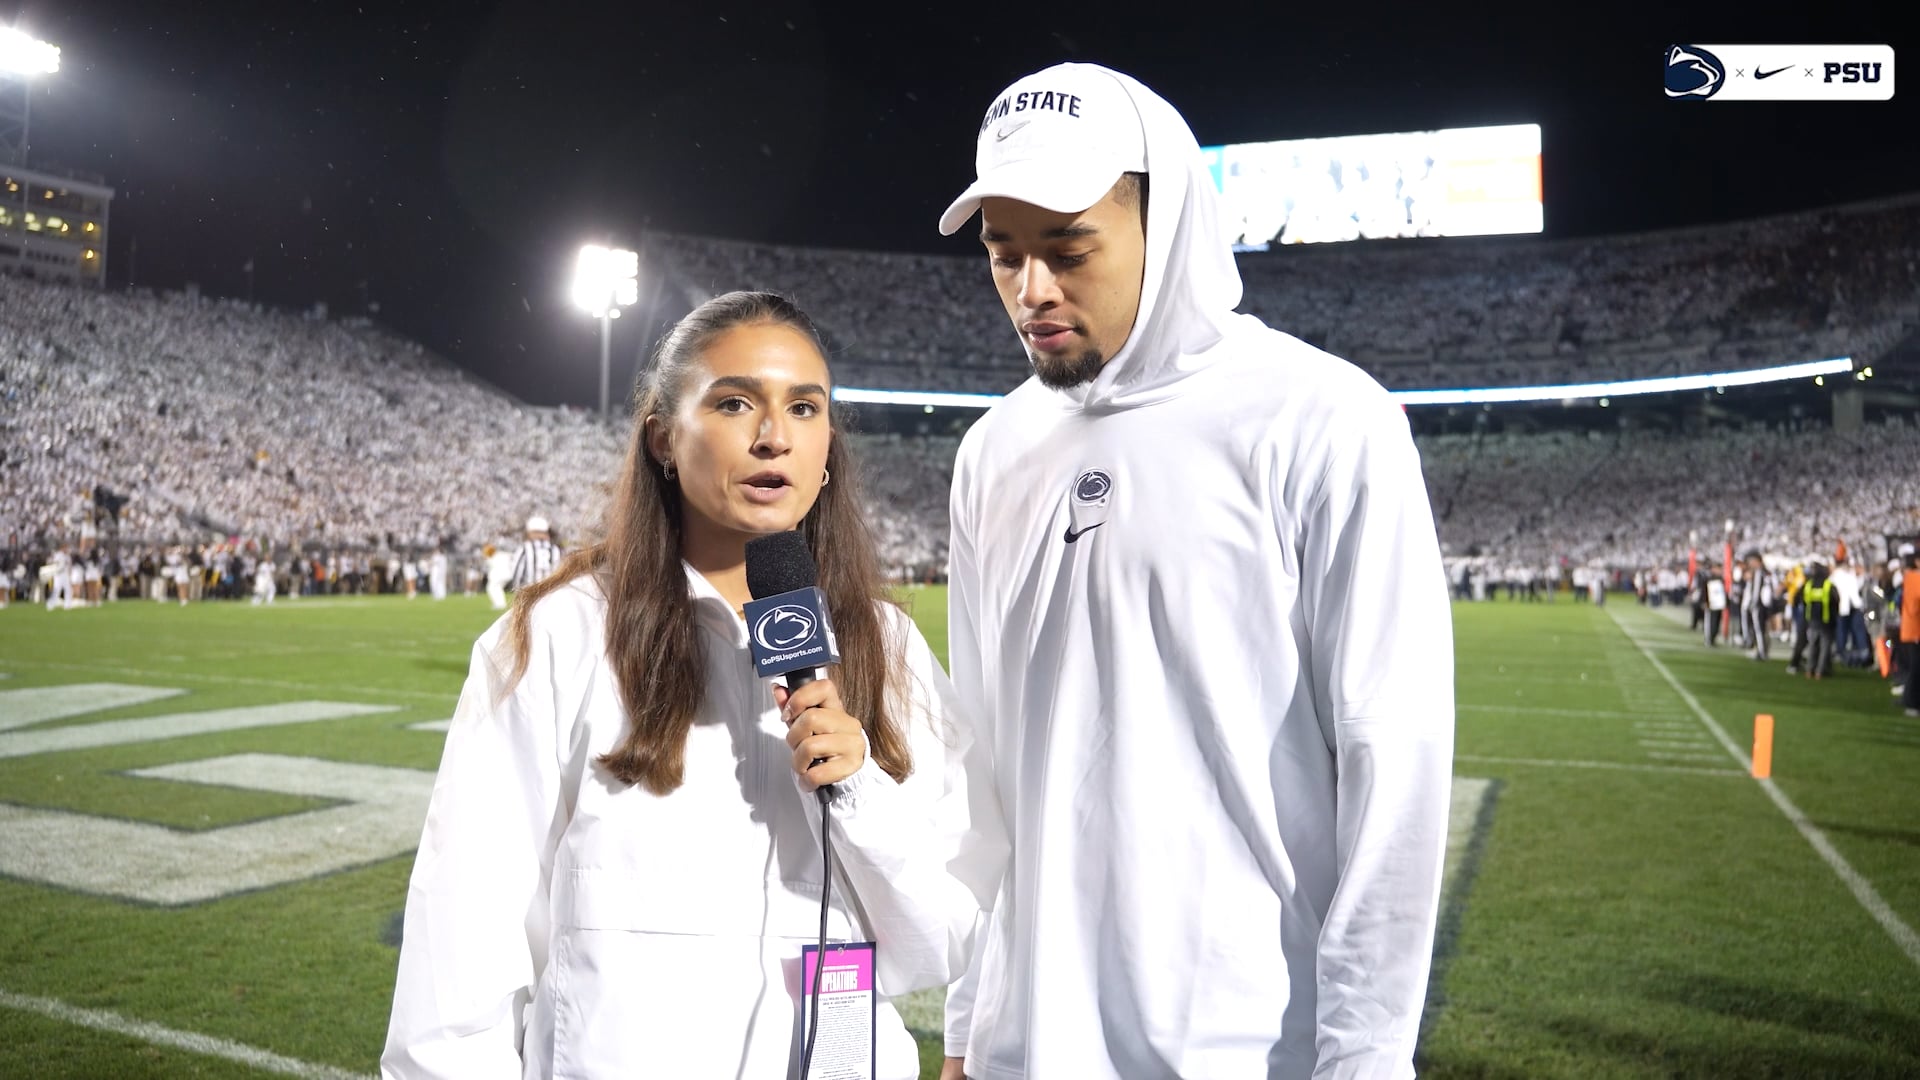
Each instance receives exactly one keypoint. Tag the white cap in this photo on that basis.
(536, 523)
(1906, 549)
(1059, 139)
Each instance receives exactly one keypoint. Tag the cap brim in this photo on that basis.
(1045, 184)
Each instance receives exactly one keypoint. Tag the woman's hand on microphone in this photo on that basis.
(819, 730)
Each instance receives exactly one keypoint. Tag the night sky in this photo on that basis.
(444, 160)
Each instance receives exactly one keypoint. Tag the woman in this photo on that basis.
(622, 839)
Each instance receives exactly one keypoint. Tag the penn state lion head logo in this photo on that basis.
(1087, 508)
(1092, 487)
(784, 628)
(1693, 72)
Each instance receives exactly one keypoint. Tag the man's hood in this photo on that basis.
(1191, 284)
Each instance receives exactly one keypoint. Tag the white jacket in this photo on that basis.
(1219, 688)
(649, 936)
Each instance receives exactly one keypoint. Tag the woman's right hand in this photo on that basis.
(953, 1068)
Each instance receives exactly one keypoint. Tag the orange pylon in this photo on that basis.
(1762, 746)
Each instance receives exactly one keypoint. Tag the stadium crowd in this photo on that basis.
(340, 454)
(1491, 311)
(214, 417)
(1629, 501)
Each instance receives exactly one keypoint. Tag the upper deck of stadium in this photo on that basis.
(1496, 311)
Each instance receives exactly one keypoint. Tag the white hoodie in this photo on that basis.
(1222, 716)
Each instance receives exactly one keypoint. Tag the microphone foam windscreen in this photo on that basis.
(779, 563)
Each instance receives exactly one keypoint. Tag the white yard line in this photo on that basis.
(146, 1031)
(1627, 766)
(1581, 714)
(1662, 756)
(1862, 889)
(186, 673)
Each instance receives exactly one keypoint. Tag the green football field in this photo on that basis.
(207, 817)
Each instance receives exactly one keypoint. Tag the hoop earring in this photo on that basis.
(826, 477)
(666, 468)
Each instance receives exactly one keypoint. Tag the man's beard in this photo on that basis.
(1067, 372)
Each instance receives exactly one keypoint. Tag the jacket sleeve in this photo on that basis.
(967, 660)
(923, 857)
(475, 932)
(960, 995)
(1381, 662)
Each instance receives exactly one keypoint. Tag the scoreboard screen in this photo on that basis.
(1453, 182)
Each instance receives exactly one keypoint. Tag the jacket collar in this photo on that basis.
(711, 610)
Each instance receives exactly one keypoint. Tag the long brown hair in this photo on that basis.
(653, 642)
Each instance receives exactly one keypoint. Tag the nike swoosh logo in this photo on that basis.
(1001, 135)
(1072, 536)
(1758, 74)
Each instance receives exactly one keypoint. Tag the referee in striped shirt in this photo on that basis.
(538, 556)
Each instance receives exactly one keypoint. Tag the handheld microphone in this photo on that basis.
(790, 634)
(788, 629)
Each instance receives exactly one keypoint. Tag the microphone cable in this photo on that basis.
(825, 795)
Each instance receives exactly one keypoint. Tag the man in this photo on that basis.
(1850, 645)
(1795, 581)
(1198, 606)
(1822, 603)
(1756, 602)
(538, 556)
(1716, 607)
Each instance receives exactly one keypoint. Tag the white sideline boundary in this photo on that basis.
(160, 1035)
(1862, 889)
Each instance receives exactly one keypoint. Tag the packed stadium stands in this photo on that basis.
(216, 418)
(1632, 501)
(1463, 312)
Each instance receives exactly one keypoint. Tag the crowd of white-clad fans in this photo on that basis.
(215, 416)
(1464, 312)
(342, 454)
(1633, 501)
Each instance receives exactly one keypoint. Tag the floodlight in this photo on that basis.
(23, 54)
(604, 281)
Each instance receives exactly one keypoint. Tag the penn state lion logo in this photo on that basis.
(1693, 72)
(784, 628)
(1087, 509)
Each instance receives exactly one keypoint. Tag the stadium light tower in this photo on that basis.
(604, 281)
(22, 56)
